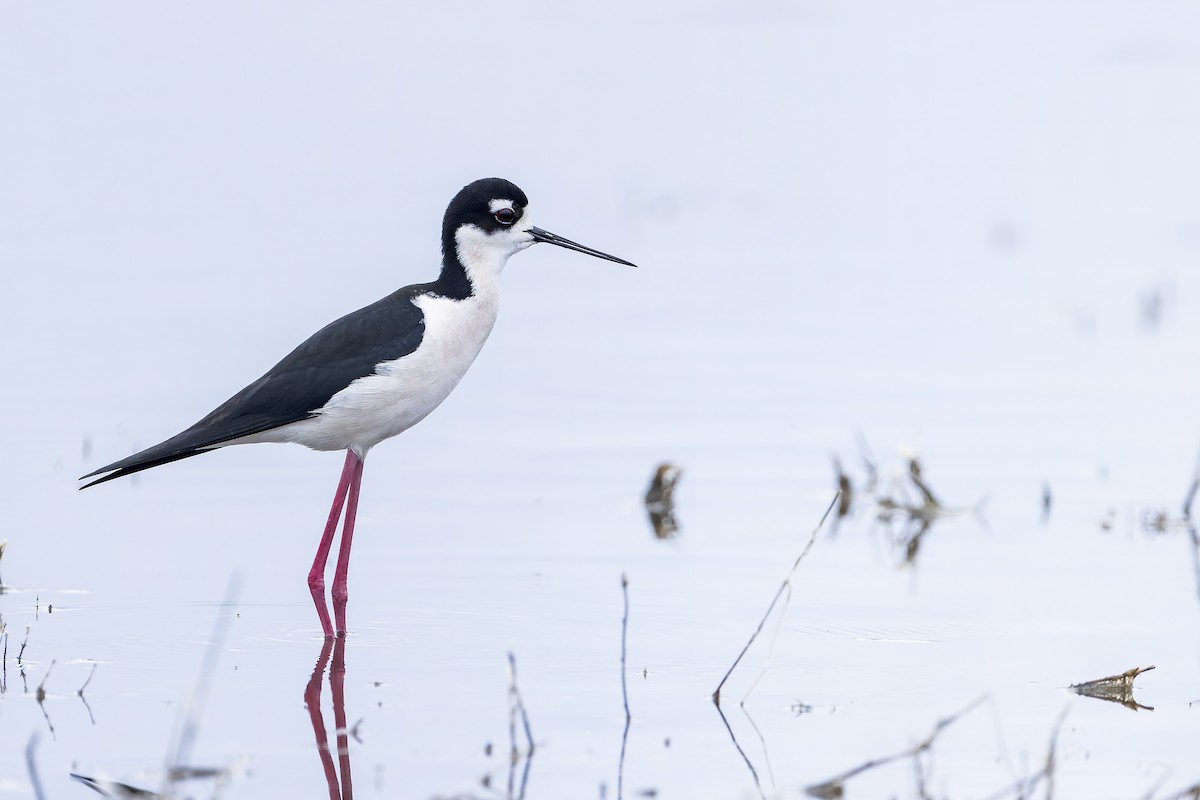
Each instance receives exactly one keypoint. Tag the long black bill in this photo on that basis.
(540, 235)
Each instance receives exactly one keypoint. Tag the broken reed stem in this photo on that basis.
(716, 695)
(917, 749)
(89, 680)
(21, 652)
(1194, 534)
(513, 754)
(624, 688)
(31, 765)
(517, 706)
(753, 685)
(40, 696)
(1025, 787)
(737, 745)
(189, 722)
(770, 651)
(520, 705)
(919, 777)
(762, 741)
(87, 705)
(624, 636)
(1048, 770)
(41, 689)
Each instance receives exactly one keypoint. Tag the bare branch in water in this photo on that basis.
(783, 587)
(745, 758)
(189, 723)
(1191, 492)
(40, 695)
(517, 707)
(87, 705)
(21, 652)
(175, 769)
(1025, 787)
(89, 679)
(835, 786)
(624, 689)
(1190, 793)
(31, 765)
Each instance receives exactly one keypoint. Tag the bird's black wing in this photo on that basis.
(330, 360)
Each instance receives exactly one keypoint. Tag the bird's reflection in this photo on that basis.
(342, 789)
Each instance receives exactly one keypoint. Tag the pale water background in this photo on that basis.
(969, 231)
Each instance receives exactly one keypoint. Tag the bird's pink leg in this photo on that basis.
(343, 563)
(316, 575)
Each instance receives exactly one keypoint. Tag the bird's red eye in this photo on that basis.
(506, 216)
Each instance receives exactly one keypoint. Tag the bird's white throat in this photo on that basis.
(483, 255)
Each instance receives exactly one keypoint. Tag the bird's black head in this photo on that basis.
(490, 204)
(485, 223)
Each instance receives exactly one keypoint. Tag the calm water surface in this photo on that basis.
(977, 249)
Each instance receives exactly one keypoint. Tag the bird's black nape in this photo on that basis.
(473, 206)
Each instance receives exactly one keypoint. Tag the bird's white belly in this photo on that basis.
(401, 392)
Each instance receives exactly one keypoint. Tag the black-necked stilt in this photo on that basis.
(376, 372)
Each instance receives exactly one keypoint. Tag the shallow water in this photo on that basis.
(968, 235)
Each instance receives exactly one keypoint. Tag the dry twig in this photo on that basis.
(624, 689)
(783, 587)
(835, 786)
(517, 707)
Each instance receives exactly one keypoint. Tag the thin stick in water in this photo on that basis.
(31, 765)
(21, 652)
(834, 787)
(189, 724)
(783, 587)
(89, 679)
(738, 746)
(87, 705)
(517, 706)
(624, 689)
(40, 696)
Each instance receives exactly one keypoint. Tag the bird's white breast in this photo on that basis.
(402, 392)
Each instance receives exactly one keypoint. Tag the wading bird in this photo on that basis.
(376, 372)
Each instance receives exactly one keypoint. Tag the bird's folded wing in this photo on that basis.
(294, 389)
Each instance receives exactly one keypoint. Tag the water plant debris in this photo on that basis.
(1114, 688)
